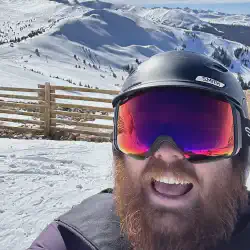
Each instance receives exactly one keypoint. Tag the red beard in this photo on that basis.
(210, 222)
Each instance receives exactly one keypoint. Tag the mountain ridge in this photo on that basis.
(116, 34)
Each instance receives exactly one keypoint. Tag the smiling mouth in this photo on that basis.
(168, 188)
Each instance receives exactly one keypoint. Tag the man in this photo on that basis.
(180, 146)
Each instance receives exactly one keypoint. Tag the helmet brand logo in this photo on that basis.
(210, 81)
(247, 129)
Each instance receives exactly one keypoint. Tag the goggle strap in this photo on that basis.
(246, 130)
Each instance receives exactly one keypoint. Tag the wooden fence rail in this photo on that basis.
(82, 115)
(44, 111)
(29, 109)
(41, 110)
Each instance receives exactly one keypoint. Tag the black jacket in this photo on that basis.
(93, 225)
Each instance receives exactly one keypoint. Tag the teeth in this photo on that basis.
(171, 180)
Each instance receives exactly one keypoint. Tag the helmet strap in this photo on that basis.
(246, 130)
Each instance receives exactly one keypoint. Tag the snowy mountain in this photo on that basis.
(178, 18)
(232, 27)
(86, 41)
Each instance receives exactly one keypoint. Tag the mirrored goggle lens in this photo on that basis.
(198, 123)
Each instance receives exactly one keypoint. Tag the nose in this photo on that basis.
(168, 152)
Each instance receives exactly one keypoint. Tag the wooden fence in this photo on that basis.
(47, 113)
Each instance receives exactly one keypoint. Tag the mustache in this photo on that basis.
(179, 169)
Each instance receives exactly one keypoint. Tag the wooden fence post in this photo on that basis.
(41, 100)
(47, 114)
(53, 107)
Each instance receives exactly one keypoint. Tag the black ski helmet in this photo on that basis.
(192, 70)
(184, 69)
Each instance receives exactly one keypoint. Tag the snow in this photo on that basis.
(39, 180)
(172, 17)
(81, 43)
(227, 19)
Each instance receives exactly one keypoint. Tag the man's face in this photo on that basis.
(195, 214)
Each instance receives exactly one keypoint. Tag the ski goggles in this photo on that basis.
(202, 125)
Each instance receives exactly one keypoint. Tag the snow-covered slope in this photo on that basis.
(87, 41)
(219, 17)
(226, 19)
(173, 17)
(39, 180)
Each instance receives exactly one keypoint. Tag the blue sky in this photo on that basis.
(237, 8)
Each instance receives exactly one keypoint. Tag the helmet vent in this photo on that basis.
(219, 68)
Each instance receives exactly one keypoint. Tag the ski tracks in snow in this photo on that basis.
(40, 180)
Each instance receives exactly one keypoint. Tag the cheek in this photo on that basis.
(214, 176)
(134, 169)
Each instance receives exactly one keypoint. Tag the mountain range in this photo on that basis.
(95, 43)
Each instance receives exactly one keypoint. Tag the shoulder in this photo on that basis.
(94, 223)
(89, 212)
(50, 238)
(67, 231)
